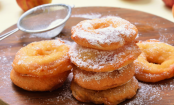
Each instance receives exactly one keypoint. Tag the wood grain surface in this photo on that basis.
(149, 26)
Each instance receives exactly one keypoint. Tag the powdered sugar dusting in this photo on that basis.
(153, 93)
(57, 43)
(5, 67)
(88, 16)
(29, 57)
(97, 59)
(105, 35)
(146, 95)
(99, 75)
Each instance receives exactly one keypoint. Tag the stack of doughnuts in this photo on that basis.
(41, 66)
(103, 56)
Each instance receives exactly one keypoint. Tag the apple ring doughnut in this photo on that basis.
(103, 80)
(43, 58)
(41, 66)
(103, 61)
(105, 34)
(156, 62)
(112, 96)
(40, 83)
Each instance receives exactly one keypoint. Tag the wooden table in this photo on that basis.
(149, 26)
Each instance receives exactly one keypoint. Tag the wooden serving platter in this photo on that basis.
(149, 26)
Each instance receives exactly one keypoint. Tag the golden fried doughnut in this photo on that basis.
(109, 97)
(38, 83)
(105, 34)
(103, 80)
(156, 62)
(103, 61)
(43, 58)
(41, 66)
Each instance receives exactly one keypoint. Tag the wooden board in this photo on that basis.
(149, 26)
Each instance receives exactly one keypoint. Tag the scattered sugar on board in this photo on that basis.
(66, 41)
(164, 36)
(18, 37)
(87, 16)
(152, 93)
(63, 95)
(5, 67)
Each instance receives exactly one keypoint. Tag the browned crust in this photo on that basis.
(109, 97)
(103, 80)
(40, 83)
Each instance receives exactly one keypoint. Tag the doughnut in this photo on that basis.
(41, 83)
(107, 33)
(111, 96)
(103, 61)
(156, 62)
(103, 80)
(41, 66)
(41, 58)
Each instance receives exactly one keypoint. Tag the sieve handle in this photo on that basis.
(8, 34)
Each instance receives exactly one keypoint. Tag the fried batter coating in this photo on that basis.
(41, 66)
(156, 62)
(103, 61)
(103, 80)
(47, 57)
(107, 33)
(40, 83)
(111, 96)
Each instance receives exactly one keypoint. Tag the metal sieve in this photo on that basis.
(44, 21)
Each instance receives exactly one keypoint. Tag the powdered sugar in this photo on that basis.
(98, 59)
(5, 67)
(57, 43)
(149, 94)
(87, 16)
(99, 75)
(40, 57)
(105, 35)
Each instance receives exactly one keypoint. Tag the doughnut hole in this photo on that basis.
(156, 55)
(104, 24)
(101, 25)
(41, 52)
(155, 60)
(47, 51)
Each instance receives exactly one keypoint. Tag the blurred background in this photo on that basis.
(10, 11)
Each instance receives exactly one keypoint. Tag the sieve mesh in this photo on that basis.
(43, 18)
(44, 21)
